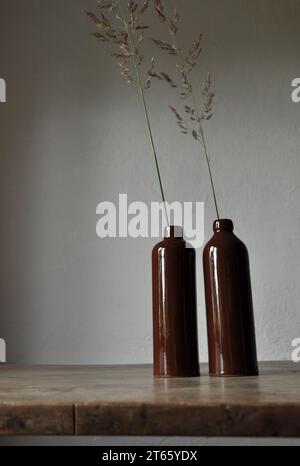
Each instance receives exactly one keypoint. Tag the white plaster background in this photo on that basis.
(72, 134)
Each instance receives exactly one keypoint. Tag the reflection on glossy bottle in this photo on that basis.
(229, 309)
(175, 340)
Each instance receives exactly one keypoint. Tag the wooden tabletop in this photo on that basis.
(127, 400)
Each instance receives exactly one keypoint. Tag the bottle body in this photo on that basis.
(175, 336)
(229, 308)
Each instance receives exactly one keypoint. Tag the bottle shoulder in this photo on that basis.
(167, 245)
(225, 241)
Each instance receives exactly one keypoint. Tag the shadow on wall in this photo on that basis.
(46, 176)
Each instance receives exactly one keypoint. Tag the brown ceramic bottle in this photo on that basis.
(229, 309)
(175, 338)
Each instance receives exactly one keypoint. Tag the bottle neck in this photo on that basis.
(174, 233)
(223, 225)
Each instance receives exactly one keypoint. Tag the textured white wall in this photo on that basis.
(72, 134)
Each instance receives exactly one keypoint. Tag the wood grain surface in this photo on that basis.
(127, 400)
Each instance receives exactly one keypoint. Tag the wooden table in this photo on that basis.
(126, 400)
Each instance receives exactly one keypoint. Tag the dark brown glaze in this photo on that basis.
(175, 337)
(229, 309)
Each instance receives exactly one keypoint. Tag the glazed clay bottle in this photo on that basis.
(175, 338)
(229, 309)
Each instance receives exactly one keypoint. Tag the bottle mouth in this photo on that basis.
(223, 225)
(174, 232)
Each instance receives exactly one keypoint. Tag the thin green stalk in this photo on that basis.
(202, 138)
(142, 94)
(206, 155)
